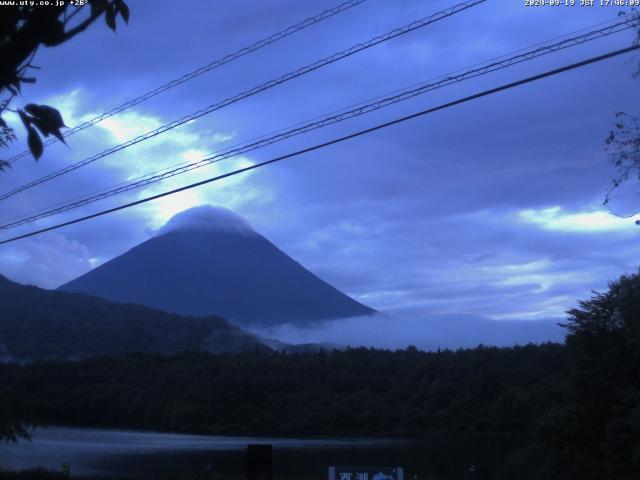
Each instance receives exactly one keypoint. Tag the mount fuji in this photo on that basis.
(210, 261)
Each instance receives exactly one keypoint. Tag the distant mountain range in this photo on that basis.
(209, 261)
(37, 324)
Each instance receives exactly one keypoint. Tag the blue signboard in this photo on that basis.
(366, 473)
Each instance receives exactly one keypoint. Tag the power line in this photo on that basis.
(204, 69)
(264, 136)
(485, 93)
(362, 109)
(255, 90)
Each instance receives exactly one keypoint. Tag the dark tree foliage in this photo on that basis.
(23, 29)
(623, 142)
(345, 393)
(592, 430)
(572, 410)
(40, 324)
(11, 409)
(604, 346)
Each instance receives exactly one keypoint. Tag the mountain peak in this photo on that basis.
(207, 218)
(235, 273)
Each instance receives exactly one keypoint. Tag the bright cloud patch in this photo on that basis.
(188, 143)
(47, 261)
(427, 332)
(128, 125)
(583, 222)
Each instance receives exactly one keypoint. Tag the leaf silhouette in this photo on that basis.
(47, 119)
(123, 8)
(110, 17)
(35, 143)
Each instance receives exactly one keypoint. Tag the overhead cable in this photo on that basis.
(326, 121)
(253, 91)
(334, 141)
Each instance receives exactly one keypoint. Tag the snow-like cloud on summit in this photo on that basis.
(208, 218)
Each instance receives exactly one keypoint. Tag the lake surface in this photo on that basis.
(104, 453)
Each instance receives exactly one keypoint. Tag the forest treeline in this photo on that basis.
(576, 406)
(526, 391)
(39, 324)
(352, 392)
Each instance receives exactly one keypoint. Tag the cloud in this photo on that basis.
(208, 218)
(483, 211)
(46, 261)
(428, 333)
(555, 219)
(188, 143)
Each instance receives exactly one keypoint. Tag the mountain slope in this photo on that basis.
(44, 324)
(228, 270)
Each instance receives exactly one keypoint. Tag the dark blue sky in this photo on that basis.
(486, 211)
